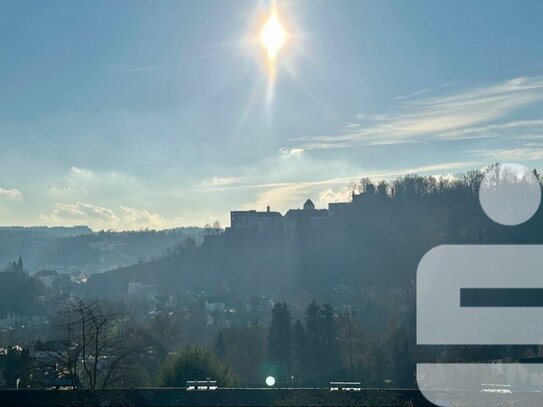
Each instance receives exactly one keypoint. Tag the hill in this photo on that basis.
(372, 245)
(80, 250)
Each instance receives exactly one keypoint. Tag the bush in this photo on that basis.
(195, 364)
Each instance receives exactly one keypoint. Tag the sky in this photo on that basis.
(134, 114)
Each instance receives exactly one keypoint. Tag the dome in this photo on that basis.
(309, 205)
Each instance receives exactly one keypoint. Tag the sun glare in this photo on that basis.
(273, 36)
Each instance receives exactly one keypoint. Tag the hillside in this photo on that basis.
(375, 242)
(79, 250)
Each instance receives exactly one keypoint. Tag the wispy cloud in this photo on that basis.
(281, 197)
(285, 195)
(80, 212)
(329, 195)
(81, 172)
(10, 193)
(472, 113)
(412, 95)
(292, 152)
(132, 69)
(79, 183)
(221, 181)
(98, 217)
(493, 130)
(512, 154)
(135, 218)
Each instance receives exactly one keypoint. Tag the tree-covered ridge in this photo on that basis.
(80, 250)
(376, 241)
(383, 235)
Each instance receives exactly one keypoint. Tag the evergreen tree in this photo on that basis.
(279, 342)
(313, 336)
(220, 350)
(323, 361)
(17, 368)
(299, 353)
(244, 350)
(331, 362)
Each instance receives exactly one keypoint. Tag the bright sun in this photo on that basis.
(273, 36)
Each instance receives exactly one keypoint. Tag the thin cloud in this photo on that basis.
(10, 193)
(133, 69)
(98, 217)
(80, 211)
(496, 130)
(329, 195)
(81, 172)
(382, 174)
(285, 195)
(292, 152)
(80, 183)
(221, 181)
(141, 218)
(468, 114)
(412, 95)
(511, 154)
(222, 50)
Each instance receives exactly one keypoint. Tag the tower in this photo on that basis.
(309, 205)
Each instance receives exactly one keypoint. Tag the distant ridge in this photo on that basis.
(78, 249)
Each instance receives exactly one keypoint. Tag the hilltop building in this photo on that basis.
(294, 219)
(268, 221)
(308, 216)
(253, 220)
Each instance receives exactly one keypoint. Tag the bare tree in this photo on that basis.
(352, 341)
(98, 342)
(352, 187)
(217, 229)
(365, 186)
(472, 181)
(213, 230)
(382, 188)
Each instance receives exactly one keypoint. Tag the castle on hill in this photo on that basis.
(272, 221)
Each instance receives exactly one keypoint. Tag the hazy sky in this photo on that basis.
(128, 114)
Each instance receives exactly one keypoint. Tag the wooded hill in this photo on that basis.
(377, 241)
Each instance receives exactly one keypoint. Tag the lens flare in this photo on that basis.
(273, 36)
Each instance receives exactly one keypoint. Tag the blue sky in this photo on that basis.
(133, 114)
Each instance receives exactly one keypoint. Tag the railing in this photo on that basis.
(202, 385)
(345, 386)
